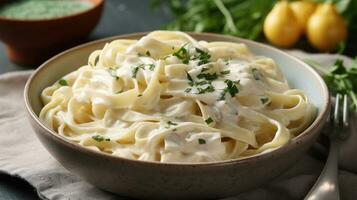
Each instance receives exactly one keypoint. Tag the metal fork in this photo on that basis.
(326, 186)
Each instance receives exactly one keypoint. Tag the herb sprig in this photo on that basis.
(340, 79)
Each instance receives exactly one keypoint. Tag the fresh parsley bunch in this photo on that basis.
(340, 79)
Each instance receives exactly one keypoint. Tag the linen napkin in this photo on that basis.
(22, 155)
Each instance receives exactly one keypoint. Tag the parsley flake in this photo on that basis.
(201, 82)
(151, 67)
(190, 79)
(148, 53)
(209, 120)
(136, 69)
(100, 138)
(182, 54)
(202, 56)
(170, 123)
(63, 82)
(208, 89)
(222, 96)
(201, 141)
(231, 88)
(187, 90)
(207, 76)
(256, 74)
(225, 72)
(264, 99)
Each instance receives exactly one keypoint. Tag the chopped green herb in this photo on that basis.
(139, 95)
(148, 53)
(201, 141)
(264, 99)
(256, 74)
(187, 90)
(151, 67)
(182, 54)
(231, 87)
(208, 89)
(203, 57)
(170, 123)
(100, 138)
(63, 82)
(222, 96)
(204, 69)
(207, 76)
(201, 82)
(190, 79)
(340, 79)
(136, 69)
(225, 72)
(209, 120)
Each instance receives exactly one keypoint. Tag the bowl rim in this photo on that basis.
(95, 6)
(316, 124)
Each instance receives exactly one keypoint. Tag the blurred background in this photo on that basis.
(284, 24)
(316, 26)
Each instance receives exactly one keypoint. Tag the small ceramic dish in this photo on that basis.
(141, 179)
(31, 42)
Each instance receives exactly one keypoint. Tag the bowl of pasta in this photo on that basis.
(176, 115)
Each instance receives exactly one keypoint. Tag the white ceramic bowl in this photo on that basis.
(143, 179)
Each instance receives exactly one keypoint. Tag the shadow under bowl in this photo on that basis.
(31, 42)
(141, 179)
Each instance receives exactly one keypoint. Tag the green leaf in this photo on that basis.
(63, 82)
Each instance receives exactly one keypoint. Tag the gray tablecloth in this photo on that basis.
(21, 154)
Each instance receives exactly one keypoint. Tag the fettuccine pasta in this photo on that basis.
(170, 98)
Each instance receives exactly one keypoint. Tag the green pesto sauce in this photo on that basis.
(42, 9)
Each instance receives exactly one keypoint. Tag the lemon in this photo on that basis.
(326, 28)
(303, 10)
(281, 26)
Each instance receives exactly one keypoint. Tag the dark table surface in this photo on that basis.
(119, 17)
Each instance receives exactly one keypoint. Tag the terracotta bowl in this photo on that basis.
(142, 179)
(31, 42)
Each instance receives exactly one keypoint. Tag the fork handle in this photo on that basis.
(326, 186)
